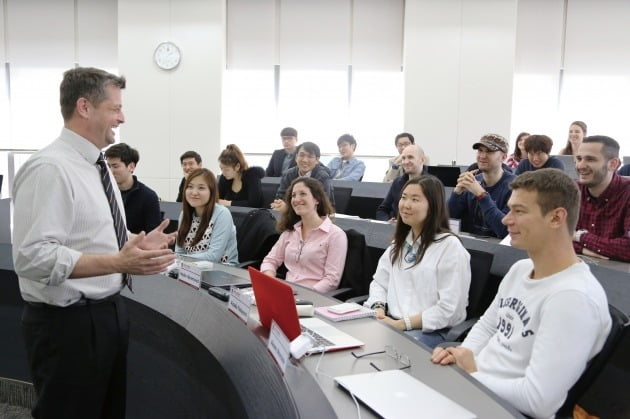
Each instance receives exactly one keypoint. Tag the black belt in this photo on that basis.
(79, 303)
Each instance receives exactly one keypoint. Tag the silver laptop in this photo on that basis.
(396, 394)
(327, 337)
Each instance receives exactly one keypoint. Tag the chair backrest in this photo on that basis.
(269, 193)
(479, 294)
(342, 198)
(359, 267)
(447, 174)
(596, 364)
(256, 235)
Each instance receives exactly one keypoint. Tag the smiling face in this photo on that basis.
(526, 224)
(412, 160)
(189, 165)
(591, 165)
(413, 207)
(302, 200)
(198, 194)
(306, 161)
(401, 143)
(521, 144)
(105, 117)
(489, 160)
(576, 135)
(537, 158)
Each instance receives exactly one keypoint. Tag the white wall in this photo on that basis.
(170, 112)
(459, 58)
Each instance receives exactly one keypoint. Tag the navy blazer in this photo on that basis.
(275, 163)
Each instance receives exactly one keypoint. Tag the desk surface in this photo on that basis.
(302, 375)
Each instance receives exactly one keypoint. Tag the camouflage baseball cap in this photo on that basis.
(493, 142)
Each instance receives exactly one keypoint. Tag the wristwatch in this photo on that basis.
(577, 236)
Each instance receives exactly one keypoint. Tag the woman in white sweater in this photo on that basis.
(421, 283)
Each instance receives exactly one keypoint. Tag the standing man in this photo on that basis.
(142, 206)
(546, 306)
(412, 163)
(603, 229)
(346, 167)
(395, 169)
(284, 158)
(480, 197)
(70, 249)
(190, 161)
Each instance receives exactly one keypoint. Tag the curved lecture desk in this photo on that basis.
(191, 358)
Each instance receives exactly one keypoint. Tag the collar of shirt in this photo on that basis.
(83, 146)
(609, 192)
(325, 226)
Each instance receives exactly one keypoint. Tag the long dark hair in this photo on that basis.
(435, 223)
(188, 210)
(518, 156)
(289, 217)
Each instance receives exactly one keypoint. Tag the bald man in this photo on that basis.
(413, 164)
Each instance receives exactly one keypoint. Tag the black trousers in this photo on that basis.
(78, 358)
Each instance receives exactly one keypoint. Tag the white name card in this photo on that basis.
(279, 346)
(190, 274)
(239, 303)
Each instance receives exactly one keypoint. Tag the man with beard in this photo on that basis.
(603, 229)
(480, 197)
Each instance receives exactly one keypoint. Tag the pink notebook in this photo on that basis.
(360, 313)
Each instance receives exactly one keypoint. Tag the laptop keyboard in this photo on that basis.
(318, 339)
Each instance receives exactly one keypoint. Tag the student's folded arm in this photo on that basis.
(617, 248)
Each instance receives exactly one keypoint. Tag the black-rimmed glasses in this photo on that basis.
(391, 352)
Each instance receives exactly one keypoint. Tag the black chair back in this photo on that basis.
(342, 198)
(256, 235)
(269, 193)
(595, 365)
(480, 294)
(359, 267)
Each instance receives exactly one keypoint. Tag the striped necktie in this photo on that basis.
(119, 223)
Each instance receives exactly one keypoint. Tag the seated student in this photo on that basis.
(413, 164)
(519, 151)
(311, 247)
(142, 206)
(480, 197)
(395, 169)
(284, 158)
(577, 132)
(346, 167)
(550, 315)
(422, 280)
(625, 170)
(308, 164)
(190, 161)
(603, 229)
(538, 148)
(239, 184)
(206, 229)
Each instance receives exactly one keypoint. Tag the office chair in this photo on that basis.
(596, 364)
(255, 237)
(358, 268)
(269, 193)
(342, 198)
(480, 293)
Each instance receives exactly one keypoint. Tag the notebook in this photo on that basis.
(275, 301)
(359, 313)
(396, 394)
(222, 279)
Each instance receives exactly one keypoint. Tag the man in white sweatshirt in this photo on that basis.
(550, 315)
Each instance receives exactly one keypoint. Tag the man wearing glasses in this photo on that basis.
(546, 307)
(480, 197)
(307, 164)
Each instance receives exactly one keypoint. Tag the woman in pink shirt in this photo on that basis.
(311, 247)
